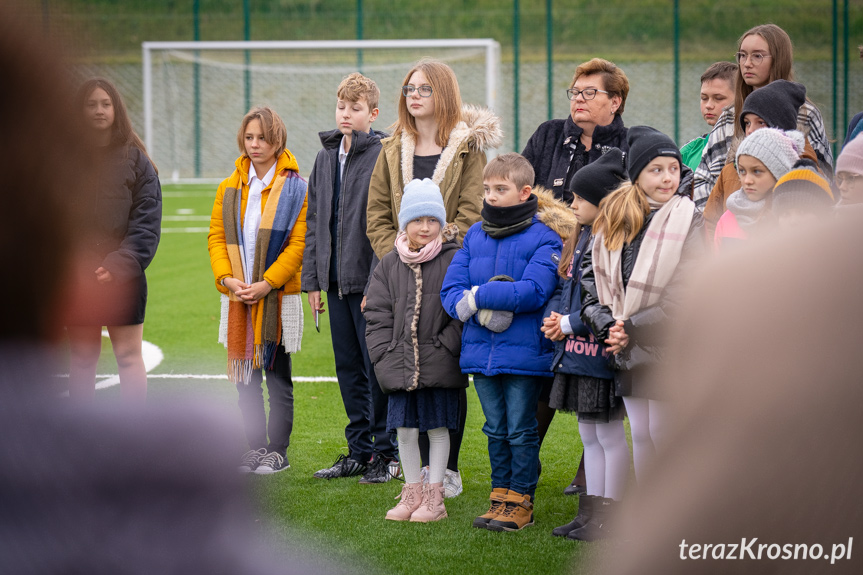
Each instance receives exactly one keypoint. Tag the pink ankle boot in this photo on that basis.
(431, 508)
(411, 497)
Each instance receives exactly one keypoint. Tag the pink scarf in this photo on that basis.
(427, 253)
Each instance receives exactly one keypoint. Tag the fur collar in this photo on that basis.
(479, 129)
(554, 213)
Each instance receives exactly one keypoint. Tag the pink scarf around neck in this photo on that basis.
(427, 253)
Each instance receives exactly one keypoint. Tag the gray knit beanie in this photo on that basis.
(421, 198)
(777, 150)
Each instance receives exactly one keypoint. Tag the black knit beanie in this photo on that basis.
(646, 143)
(599, 178)
(776, 103)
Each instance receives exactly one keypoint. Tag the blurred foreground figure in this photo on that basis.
(772, 378)
(92, 491)
(82, 490)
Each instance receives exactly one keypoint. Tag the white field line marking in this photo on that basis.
(153, 356)
(186, 218)
(185, 230)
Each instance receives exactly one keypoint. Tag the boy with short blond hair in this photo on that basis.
(337, 261)
(498, 284)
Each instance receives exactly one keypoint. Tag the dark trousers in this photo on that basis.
(280, 389)
(365, 403)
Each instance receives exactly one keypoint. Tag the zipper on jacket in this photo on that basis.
(491, 347)
(341, 218)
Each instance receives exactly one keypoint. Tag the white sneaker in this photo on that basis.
(424, 474)
(452, 484)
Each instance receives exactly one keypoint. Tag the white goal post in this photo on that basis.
(195, 93)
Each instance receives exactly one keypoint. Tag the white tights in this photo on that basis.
(648, 421)
(409, 453)
(606, 458)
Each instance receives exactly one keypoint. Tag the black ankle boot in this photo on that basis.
(585, 506)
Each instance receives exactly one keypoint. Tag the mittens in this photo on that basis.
(466, 306)
(495, 319)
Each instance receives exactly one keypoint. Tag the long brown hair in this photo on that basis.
(781, 62)
(122, 132)
(621, 215)
(568, 252)
(447, 101)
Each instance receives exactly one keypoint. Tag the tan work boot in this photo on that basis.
(497, 497)
(517, 514)
(432, 507)
(411, 497)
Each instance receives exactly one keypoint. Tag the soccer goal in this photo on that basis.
(196, 93)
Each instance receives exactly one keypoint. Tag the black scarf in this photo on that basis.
(502, 222)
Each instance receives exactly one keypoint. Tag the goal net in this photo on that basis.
(196, 93)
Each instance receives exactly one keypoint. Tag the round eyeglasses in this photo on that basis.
(756, 57)
(425, 91)
(587, 93)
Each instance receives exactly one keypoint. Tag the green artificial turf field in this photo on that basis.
(340, 518)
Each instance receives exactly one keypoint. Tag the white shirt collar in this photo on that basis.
(342, 153)
(253, 175)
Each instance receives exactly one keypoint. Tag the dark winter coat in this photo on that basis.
(402, 346)
(550, 150)
(646, 328)
(580, 353)
(354, 251)
(121, 227)
(530, 257)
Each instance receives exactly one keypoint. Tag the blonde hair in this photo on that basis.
(355, 87)
(614, 81)
(512, 167)
(274, 129)
(447, 101)
(621, 215)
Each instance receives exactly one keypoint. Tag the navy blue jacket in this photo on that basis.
(530, 257)
(580, 353)
(353, 253)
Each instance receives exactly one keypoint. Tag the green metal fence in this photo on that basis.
(663, 45)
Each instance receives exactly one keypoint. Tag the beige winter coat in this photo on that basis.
(458, 173)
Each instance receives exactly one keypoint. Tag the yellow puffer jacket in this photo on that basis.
(285, 272)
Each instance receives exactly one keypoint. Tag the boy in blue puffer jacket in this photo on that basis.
(498, 284)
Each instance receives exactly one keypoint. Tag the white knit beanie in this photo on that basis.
(421, 198)
(778, 150)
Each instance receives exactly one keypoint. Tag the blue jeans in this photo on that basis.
(509, 404)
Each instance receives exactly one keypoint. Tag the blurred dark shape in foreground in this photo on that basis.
(768, 369)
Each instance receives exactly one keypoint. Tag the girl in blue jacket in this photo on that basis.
(584, 379)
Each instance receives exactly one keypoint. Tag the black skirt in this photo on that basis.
(110, 304)
(592, 398)
(426, 408)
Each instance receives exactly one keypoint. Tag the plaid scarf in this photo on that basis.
(254, 331)
(721, 137)
(654, 265)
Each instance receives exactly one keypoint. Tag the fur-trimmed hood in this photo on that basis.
(483, 128)
(554, 213)
(478, 131)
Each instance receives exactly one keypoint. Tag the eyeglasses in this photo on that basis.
(425, 91)
(843, 177)
(756, 57)
(587, 93)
